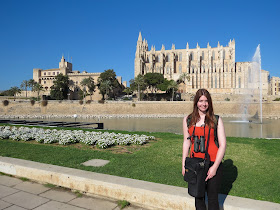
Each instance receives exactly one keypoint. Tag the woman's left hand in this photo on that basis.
(211, 173)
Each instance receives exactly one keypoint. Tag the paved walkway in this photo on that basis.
(16, 194)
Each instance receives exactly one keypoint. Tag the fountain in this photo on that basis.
(254, 89)
(256, 70)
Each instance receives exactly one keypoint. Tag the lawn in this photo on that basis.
(251, 166)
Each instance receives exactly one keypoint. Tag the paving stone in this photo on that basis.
(4, 204)
(5, 191)
(25, 200)
(93, 203)
(58, 206)
(14, 207)
(96, 162)
(9, 181)
(59, 195)
(31, 187)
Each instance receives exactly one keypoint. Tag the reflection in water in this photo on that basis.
(268, 129)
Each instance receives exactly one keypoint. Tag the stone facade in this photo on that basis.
(213, 68)
(47, 76)
(275, 86)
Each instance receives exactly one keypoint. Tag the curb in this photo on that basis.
(147, 194)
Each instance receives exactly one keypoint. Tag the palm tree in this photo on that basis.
(106, 86)
(183, 77)
(24, 85)
(89, 83)
(140, 82)
(14, 90)
(172, 86)
(38, 88)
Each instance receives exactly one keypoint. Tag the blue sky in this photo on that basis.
(102, 34)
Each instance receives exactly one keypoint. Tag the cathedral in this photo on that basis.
(213, 68)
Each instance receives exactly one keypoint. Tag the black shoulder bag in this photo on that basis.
(196, 172)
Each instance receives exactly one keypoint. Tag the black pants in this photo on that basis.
(212, 189)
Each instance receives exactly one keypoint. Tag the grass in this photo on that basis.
(251, 166)
(24, 179)
(49, 185)
(123, 203)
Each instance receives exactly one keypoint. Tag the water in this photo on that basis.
(233, 126)
(256, 77)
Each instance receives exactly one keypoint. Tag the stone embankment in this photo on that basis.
(128, 109)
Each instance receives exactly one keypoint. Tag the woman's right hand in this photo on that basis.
(183, 170)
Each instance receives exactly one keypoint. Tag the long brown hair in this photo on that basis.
(209, 118)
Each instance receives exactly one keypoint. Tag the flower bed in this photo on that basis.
(64, 137)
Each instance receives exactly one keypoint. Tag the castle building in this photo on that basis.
(275, 86)
(47, 76)
(213, 68)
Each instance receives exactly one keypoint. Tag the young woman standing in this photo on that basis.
(202, 118)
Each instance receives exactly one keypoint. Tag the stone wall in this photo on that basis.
(68, 108)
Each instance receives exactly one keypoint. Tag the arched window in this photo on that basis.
(213, 55)
(224, 54)
(167, 59)
(239, 82)
(180, 56)
(158, 58)
(202, 56)
(167, 70)
(180, 68)
(191, 56)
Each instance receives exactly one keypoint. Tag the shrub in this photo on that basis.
(227, 99)
(133, 105)
(81, 102)
(88, 101)
(276, 99)
(44, 103)
(5, 102)
(32, 102)
(101, 101)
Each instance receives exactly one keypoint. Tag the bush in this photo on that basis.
(44, 103)
(276, 99)
(227, 99)
(5, 102)
(88, 101)
(133, 105)
(81, 102)
(101, 101)
(32, 102)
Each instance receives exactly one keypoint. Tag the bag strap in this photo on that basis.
(207, 156)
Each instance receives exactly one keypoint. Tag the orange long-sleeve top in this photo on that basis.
(212, 149)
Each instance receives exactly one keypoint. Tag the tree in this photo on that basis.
(24, 85)
(37, 88)
(31, 84)
(60, 87)
(105, 88)
(173, 86)
(139, 85)
(89, 83)
(14, 90)
(183, 77)
(153, 80)
(127, 91)
(112, 88)
(164, 86)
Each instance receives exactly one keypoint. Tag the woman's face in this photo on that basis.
(202, 104)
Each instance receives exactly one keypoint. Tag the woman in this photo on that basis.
(201, 119)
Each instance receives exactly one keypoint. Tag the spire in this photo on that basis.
(187, 46)
(162, 48)
(218, 44)
(197, 46)
(140, 37)
(208, 45)
(173, 47)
